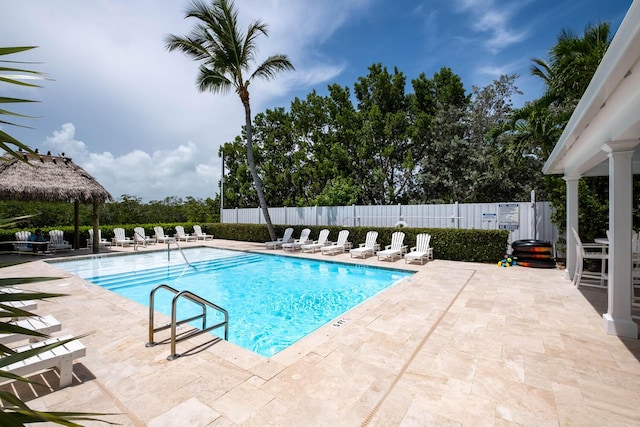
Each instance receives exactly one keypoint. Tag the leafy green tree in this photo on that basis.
(238, 191)
(339, 191)
(279, 156)
(437, 107)
(382, 106)
(225, 56)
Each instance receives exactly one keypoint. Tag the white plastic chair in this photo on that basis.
(160, 237)
(197, 231)
(323, 240)
(593, 251)
(297, 243)
(181, 235)
(286, 238)
(101, 241)
(120, 238)
(421, 251)
(395, 249)
(57, 242)
(140, 237)
(370, 246)
(22, 236)
(339, 246)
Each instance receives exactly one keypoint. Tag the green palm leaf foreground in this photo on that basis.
(11, 74)
(226, 56)
(15, 412)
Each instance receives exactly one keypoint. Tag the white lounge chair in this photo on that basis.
(140, 237)
(19, 305)
(197, 230)
(370, 246)
(22, 236)
(102, 242)
(60, 357)
(182, 236)
(57, 242)
(421, 251)
(120, 238)
(297, 243)
(339, 246)
(317, 244)
(44, 325)
(160, 237)
(395, 249)
(286, 238)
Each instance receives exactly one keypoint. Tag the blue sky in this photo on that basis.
(128, 111)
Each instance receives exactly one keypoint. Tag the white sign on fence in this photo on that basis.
(508, 216)
(489, 216)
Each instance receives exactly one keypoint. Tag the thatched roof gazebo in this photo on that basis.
(50, 178)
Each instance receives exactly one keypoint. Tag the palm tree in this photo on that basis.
(573, 61)
(225, 56)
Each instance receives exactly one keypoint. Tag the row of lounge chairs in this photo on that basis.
(140, 238)
(397, 249)
(25, 334)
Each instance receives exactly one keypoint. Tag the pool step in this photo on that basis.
(172, 272)
(169, 273)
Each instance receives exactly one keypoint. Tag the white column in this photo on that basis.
(572, 221)
(617, 320)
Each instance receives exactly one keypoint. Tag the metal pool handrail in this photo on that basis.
(190, 296)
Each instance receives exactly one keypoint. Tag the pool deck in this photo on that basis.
(456, 344)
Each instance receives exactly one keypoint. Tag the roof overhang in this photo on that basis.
(608, 111)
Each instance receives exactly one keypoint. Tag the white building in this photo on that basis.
(602, 138)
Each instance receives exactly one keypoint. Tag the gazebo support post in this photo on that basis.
(76, 224)
(96, 227)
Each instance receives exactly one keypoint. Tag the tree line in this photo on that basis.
(384, 141)
(378, 144)
(126, 210)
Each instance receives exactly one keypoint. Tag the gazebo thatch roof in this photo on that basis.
(48, 178)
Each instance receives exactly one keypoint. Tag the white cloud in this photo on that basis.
(183, 170)
(495, 19)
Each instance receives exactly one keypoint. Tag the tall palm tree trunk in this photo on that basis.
(254, 173)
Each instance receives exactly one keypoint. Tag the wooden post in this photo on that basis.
(96, 227)
(76, 224)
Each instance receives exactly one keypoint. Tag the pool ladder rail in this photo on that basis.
(203, 303)
(170, 240)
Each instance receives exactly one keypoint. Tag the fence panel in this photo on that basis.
(525, 220)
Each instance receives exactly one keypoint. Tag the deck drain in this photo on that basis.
(340, 322)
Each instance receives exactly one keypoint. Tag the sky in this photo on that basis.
(128, 111)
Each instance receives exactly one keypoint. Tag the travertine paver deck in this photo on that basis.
(455, 344)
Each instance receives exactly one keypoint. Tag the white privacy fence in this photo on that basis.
(525, 220)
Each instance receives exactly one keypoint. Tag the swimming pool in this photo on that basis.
(272, 300)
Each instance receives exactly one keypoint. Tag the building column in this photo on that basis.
(572, 221)
(617, 320)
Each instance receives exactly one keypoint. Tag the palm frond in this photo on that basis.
(272, 66)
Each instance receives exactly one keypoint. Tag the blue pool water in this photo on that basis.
(273, 301)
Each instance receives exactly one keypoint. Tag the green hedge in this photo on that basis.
(448, 243)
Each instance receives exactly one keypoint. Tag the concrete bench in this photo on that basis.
(61, 357)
